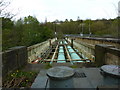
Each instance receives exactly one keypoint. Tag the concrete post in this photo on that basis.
(100, 51)
(60, 76)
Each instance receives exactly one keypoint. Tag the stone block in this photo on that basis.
(100, 51)
(13, 59)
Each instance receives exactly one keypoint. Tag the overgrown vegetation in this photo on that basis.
(99, 27)
(27, 31)
(19, 78)
(48, 65)
(74, 66)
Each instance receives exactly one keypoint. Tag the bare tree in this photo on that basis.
(3, 12)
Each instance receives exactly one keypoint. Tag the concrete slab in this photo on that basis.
(82, 83)
(40, 81)
(93, 76)
(92, 80)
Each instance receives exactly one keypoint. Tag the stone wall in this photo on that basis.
(102, 51)
(84, 48)
(37, 49)
(94, 41)
(13, 59)
(112, 59)
(19, 56)
(106, 54)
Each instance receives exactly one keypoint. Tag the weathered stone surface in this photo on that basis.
(100, 51)
(92, 80)
(111, 69)
(60, 72)
(112, 59)
(37, 49)
(13, 58)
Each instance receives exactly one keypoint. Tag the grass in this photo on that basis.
(48, 65)
(73, 66)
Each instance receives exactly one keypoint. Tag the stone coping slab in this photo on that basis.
(111, 69)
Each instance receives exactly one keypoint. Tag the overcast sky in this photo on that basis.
(65, 9)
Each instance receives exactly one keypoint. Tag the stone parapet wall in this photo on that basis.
(17, 57)
(112, 59)
(37, 49)
(84, 48)
(106, 54)
(94, 41)
(102, 51)
(13, 59)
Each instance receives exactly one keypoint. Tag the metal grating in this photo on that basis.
(79, 75)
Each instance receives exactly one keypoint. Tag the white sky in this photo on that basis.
(65, 9)
(119, 9)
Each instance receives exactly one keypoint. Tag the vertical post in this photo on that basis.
(82, 28)
(89, 29)
(118, 21)
(72, 43)
(1, 52)
(55, 31)
(50, 42)
(65, 80)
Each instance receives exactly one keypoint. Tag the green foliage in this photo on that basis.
(18, 75)
(27, 31)
(73, 66)
(46, 33)
(100, 27)
(7, 23)
(48, 65)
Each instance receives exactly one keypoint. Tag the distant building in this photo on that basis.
(119, 8)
